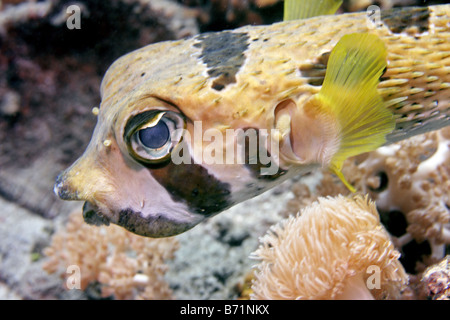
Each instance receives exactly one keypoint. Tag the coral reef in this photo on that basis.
(127, 266)
(328, 251)
(229, 14)
(436, 280)
(412, 177)
(409, 181)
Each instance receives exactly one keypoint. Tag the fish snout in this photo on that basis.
(63, 189)
(84, 180)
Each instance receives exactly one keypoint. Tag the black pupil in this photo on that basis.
(155, 137)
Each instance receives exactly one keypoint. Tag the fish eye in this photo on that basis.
(153, 135)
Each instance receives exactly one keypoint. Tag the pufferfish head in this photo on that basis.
(187, 129)
(142, 169)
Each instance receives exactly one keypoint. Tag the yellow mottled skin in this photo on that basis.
(418, 71)
(282, 65)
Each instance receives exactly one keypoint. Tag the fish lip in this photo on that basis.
(61, 189)
(93, 216)
(154, 226)
(157, 225)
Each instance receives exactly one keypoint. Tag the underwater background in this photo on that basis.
(49, 83)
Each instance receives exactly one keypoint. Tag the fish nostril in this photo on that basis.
(62, 190)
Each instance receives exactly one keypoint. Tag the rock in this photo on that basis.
(24, 235)
(10, 104)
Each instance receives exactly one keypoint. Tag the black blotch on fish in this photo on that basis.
(92, 216)
(134, 221)
(382, 77)
(315, 72)
(253, 161)
(223, 53)
(401, 19)
(193, 185)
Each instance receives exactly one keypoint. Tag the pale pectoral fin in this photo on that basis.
(303, 9)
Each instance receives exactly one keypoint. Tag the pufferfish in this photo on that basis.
(308, 92)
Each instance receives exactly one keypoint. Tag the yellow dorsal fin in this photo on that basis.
(303, 9)
(350, 92)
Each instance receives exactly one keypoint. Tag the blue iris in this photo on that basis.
(155, 137)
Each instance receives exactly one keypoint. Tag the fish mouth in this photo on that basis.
(62, 189)
(93, 216)
(154, 226)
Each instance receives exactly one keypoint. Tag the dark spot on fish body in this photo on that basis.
(92, 216)
(382, 77)
(193, 185)
(315, 72)
(217, 86)
(253, 160)
(401, 19)
(130, 220)
(223, 54)
(134, 222)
